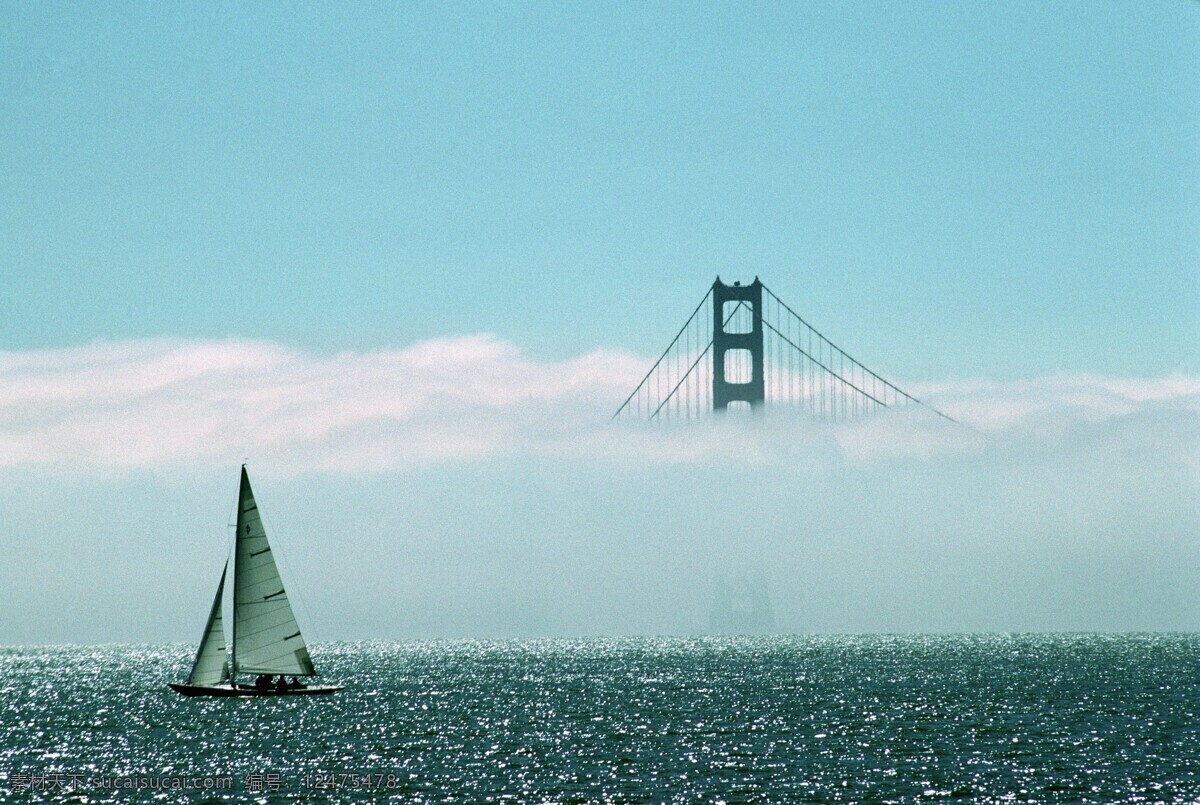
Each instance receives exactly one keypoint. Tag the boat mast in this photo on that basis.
(233, 671)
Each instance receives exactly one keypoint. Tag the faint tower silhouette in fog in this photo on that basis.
(742, 605)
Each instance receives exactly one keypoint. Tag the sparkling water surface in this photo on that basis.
(821, 718)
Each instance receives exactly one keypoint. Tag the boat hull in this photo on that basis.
(244, 690)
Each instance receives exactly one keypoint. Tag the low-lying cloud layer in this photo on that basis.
(159, 403)
(460, 487)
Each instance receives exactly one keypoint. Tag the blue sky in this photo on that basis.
(967, 189)
(408, 258)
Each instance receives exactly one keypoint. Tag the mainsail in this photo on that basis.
(266, 637)
(211, 666)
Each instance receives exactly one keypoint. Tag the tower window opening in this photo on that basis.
(737, 317)
(739, 367)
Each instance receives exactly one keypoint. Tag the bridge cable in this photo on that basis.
(666, 352)
(886, 382)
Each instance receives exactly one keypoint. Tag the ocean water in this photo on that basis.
(815, 718)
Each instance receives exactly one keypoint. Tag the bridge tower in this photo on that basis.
(734, 333)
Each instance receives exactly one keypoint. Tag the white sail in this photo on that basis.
(212, 666)
(266, 637)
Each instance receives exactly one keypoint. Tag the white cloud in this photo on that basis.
(156, 403)
(992, 405)
(1068, 502)
(147, 403)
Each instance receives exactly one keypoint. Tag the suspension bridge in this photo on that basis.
(743, 347)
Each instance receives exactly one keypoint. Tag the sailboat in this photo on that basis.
(266, 637)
